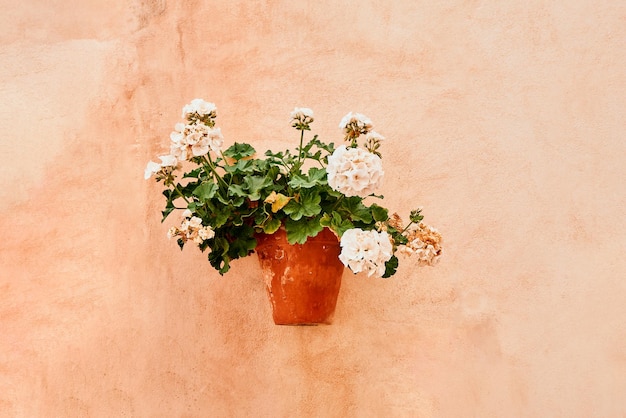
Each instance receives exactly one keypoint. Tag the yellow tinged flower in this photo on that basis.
(278, 201)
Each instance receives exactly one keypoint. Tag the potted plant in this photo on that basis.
(290, 207)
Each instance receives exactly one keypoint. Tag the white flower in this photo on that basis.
(206, 233)
(216, 139)
(191, 229)
(172, 232)
(151, 169)
(366, 251)
(374, 136)
(195, 222)
(301, 113)
(355, 124)
(301, 118)
(194, 140)
(168, 161)
(356, 118)
(354, 171)
(200, 107)
(163, 170)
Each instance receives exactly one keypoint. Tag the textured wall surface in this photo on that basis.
(505, 121)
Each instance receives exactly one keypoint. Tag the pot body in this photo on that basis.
(302, 280)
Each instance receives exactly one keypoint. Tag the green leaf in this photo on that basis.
(416, 216)
(330, 148)
(218, 257)
(251, 188)
(356, 210)
(316, 177)
(390, 267)
(336, 223)
(240, 167)
(205, 191)
(255, 184)
(307, 205)
(166, 212)
(244, 244)
(379, 213)
(193, 173)
(236, 190)
(271, 226)
(278, 155)
(299, 181)
(299, 231)
(238, 151)
(169, 204)
(326, 220)
(218, 214)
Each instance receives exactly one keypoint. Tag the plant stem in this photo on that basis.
(300, 148)
(407, 227)
(215, 174)
(180, 193)
(337, 202)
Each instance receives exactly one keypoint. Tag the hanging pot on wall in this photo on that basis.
(302, 280)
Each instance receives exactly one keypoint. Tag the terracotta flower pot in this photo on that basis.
(302, 280)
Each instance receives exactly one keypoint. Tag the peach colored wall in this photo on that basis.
(505, 120)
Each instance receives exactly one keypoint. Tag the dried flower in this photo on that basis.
(425, 242)
(396, 222)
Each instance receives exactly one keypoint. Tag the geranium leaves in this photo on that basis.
(205, 191)
(277, 200)
(251, 187)
(355, 210)
(390, 267)
(271, 225)
(239, 151)
(305, 205)
(315, 177)
(299, 231)
(336, 223)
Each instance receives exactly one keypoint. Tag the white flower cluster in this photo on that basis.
(191, 229)
(168, 162)
(354, 125)
(200, 108)
(372, 141)
(301, 118)
(194, 140)
(366, 251)
(424, 242)
(354, 171)
(191, 139)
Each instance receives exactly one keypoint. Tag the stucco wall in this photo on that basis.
(504, 120)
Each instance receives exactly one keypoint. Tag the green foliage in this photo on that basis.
(238, 151)
(205, 191)
(336, 222)
(238, 195)
(390, 267)
(299, 231)
(416, 216)
(306, 204)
